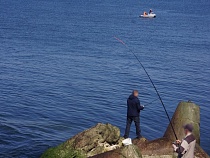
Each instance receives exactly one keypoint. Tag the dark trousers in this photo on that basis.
(128, 125)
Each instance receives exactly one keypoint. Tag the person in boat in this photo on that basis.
(150, 11)
(145, 13)
(186, 147)
(133, 114)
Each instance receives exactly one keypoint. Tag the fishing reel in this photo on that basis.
(175, 143)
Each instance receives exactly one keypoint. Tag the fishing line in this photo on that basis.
(119, 40)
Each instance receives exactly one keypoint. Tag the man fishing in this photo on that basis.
(186, 147)
(130, 118)
(133, 114)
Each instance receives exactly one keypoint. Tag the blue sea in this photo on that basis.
(62, 71)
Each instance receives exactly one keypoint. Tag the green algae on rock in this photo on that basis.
(62, 151)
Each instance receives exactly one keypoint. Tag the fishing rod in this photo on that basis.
(119, 40)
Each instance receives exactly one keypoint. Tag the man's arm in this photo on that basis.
(182, 148)
(139, 105)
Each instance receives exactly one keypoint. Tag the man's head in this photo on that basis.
(135, 93)
(188, 128)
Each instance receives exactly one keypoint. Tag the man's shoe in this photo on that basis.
(125, 137)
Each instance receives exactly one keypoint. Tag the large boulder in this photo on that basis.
(96, 140)
(186, 112)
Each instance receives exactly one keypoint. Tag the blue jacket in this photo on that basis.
(133, 106)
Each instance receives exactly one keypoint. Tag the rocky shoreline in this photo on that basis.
(104, 141)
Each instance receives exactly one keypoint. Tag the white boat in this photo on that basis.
(151, 15)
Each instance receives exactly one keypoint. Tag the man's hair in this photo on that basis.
(189, 127)
(135, 91)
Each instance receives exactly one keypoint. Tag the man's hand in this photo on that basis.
(178, 141)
